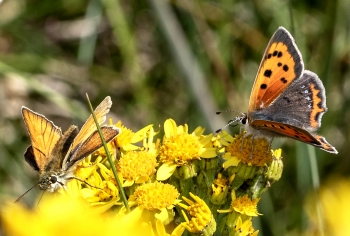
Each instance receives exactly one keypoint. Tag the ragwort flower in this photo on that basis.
(180, 148)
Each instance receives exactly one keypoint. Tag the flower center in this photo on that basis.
(133, 165)
(180, 149)
(156, 195)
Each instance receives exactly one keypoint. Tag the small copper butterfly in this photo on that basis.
(286, 100)
(55, 155)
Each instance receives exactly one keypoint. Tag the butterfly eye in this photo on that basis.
(244, 121)
(53, 179)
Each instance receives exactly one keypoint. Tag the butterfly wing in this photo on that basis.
(90, 145)
(297, 112)
(277, 128)
(89, 127)
(282, 63)
(30, 158)
(43, 134)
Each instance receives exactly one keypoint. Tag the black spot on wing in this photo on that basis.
(267, 73)
(283, 80)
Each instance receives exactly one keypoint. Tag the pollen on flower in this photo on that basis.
(156, 195)
(134, 165)
(245, 205)
(261, 153)
(180, 149)
(201, 217)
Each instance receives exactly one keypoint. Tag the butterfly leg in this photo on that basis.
(243, 136)
(81, 180)
(269, 148)
(251, 154)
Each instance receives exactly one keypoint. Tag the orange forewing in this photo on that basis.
(43, 134)
(281, 64)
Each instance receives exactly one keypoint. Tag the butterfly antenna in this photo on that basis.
(230, 123)
(20, 197)
(219, 112)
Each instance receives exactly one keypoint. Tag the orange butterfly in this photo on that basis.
(286, 100)
(54, 155)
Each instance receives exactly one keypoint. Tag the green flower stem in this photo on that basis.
(121, 190)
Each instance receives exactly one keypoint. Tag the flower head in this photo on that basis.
(179, 148)
(155, 197)
(137, 166)
(243, 205)
(240, 149)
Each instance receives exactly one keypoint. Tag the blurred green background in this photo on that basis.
(179, 59)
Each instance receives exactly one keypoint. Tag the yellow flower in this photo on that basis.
(219, 188)
(202, 220)
(58, 215)
(245, 228)
(86, 167)
(178, 231)
(102, 194)
(156, 195)
(240, 150)
(137, 166)
(126, 139)
(180, 148)
(156, 200)
(243, 205)
(332, 203)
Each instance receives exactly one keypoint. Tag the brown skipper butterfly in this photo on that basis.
(55, 155)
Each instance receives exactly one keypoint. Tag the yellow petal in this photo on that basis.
(209, 153)
(165, 171)
(141, 134)
(170, 128)
(128, 183)
(163, 215)
(233, 161)
(198, 131)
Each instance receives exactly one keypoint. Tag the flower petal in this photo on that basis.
(170, 128)
(165, 171)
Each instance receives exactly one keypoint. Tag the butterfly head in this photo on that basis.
(242, 119)
(51, 181)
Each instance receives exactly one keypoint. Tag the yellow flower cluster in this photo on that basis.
(155, 174)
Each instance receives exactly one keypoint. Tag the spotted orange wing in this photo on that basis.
(43, 134)
(282, 63)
